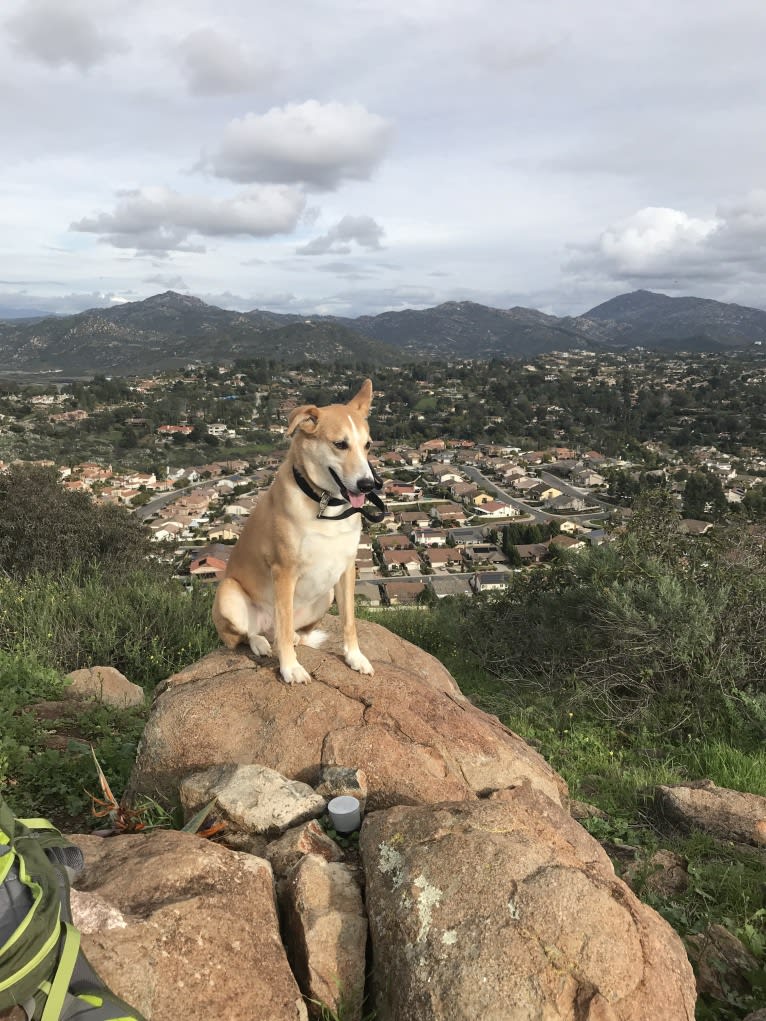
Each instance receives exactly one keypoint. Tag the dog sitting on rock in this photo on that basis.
(298, 549)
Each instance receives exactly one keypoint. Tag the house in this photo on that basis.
(413, 519)
(450, 516)
(525, 483)
(406, 560)
(368, 592)
(221, 431)
(451, 585)
(207, 569)
(549, 493)
(567, 504)
(398, 541)
(587, 477)
(533, 552)
(495, 509)
(398, 593)
(566, 542)
(490, 581)
(365, 541)
(445, 475)
(227, 533)
(402, 490)
(162, 531)
(482, 498)
(429, 537)
(432, 446)
(463, 490)
(393, 459)
(174, 430)
(445, 557)
(486, 553)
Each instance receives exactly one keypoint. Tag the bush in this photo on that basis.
(46, 529)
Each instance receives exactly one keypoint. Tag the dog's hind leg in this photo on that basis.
(236, 618)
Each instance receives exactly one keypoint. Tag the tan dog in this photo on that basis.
(295, 552)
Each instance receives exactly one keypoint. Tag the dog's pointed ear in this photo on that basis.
(362, 401)
(305, 418)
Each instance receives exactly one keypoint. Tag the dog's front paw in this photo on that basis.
(260, 645)
(294, 674)
(358, 661)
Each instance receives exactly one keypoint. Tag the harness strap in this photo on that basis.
(326, 500)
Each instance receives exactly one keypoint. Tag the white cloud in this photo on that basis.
(217, 64)
(652, 236)
(169, 283)
(59, 34)
(157, 219)
(337, 241)
(316, 144)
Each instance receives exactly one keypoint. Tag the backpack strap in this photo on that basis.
(57, 991)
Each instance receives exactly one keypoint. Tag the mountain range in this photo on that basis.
(170, 329)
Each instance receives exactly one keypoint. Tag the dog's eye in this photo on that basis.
(367, 445)
(341, 444)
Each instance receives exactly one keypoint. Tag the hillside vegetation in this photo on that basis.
(628, 666)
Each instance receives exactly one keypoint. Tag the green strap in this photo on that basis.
(60, 985)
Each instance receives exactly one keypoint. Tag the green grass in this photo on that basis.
(46, 766)
(617, 767)
(144, 625)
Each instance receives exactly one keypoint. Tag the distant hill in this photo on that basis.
(656, 320)
(170, 329)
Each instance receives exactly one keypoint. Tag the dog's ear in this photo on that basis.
(305, 418)
(363, 399)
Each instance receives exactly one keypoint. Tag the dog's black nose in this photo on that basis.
(365, 485)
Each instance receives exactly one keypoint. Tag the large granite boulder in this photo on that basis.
(505, 909)
(182, 928)
(408, 728)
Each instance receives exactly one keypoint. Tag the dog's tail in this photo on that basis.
(315, 638)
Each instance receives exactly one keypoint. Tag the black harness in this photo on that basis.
(375, 515)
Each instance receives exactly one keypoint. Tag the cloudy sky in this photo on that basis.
(355, 156)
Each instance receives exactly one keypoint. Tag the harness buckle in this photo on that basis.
(323, 502)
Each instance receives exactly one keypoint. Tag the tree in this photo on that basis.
(46, 529)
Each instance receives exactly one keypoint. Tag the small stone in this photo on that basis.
(664, 874)
(342, 781)
(105, 684)
(93, 913)
(581, 810)
(251, 800)
(309, 838)
(721, 962)
(723, 813)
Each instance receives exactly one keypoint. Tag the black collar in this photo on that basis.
(326, 500)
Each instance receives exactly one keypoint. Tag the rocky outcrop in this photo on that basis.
(197, 934)
(507, 910)
(409, 729)
(725, 814)
(485, 898)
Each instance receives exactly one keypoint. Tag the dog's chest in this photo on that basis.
(325, 553)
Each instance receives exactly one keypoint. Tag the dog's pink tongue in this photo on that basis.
(356, 499)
